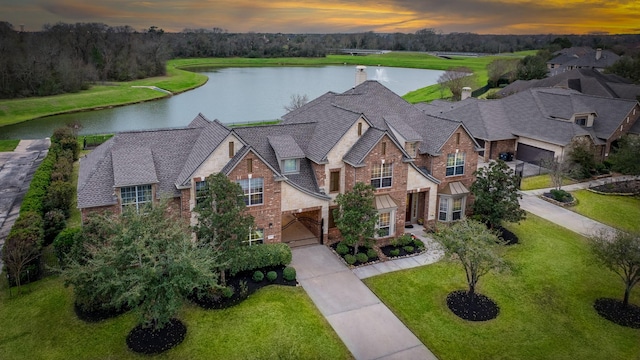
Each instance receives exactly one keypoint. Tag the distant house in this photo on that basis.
(542, 122)
(586, 81)
(581, 58)
(420, 165)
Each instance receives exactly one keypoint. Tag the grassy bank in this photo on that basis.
(179, 80)
(274, 323)
(546, 303)
(8, 145)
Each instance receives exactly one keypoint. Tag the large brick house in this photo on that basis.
(539, 123)
(421, 165)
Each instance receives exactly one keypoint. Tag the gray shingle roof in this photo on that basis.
(541, 114)
(285, 147)
(586, 81)
(358, 152)
(133, 165)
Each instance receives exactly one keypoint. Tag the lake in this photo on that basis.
(232, 95)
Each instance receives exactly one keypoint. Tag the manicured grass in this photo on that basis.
(546, 303)
(621, 212)
(541, 182)
(179, 80)
(8, 145)
(276, 322)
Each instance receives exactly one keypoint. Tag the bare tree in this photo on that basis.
(455, 79)
(501, 67)
(557, 170)
(297, 101)
(19, 250)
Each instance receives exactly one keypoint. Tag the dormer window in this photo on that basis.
(291, 166)
(581, 120)
(411, 148)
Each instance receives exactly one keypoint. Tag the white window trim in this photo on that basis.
(259, 239)
(248, 191)
(391, 226)
(294, 171)
(138, 191)
(459, 160)
(445, 205)
(380, 179)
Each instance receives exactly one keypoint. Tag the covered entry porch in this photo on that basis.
(300, 228)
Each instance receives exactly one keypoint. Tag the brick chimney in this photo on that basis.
(361, 74)
(598, 53)
(466, 93)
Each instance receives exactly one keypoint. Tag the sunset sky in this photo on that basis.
(334, 16)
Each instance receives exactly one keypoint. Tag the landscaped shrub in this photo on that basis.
(372, 254)
(394, 252)
(342, 249)
(418, 244)
(258, 276)
(561, 195)
(63, 167)
(33, 199)
(54, 222)
(405, 240)
(408, 248)
(59, 196)
(362, 257)
(63, 138)
(350, 259)
(289, 273)
(259, 256)
(64, 242)
(272, 276)
(227, 291)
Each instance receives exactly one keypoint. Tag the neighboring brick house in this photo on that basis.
(540, 123)
(581, 58)
(291, 173)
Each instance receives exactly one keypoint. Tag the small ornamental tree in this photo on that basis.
(356, 216)
(582, 157)
(223, 223)
(557, 170)
(619, 252)
(20, 249)
(477, 248)
(148, 263)
(496, 195)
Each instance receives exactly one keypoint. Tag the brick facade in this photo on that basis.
(622, 129)
(492, 149)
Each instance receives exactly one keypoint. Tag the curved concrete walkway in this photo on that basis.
(571, 220)
(367, 327)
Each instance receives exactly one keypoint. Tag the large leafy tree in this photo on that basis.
(223, 223)
(356, 215)
(478, 249)
(532, 67)
(625, 158)
(496, 194)
(619, 252)
(147, 262)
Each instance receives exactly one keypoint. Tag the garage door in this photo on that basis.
(532, 154)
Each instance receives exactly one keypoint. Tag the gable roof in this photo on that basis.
(541, 114)
(133, 165)
(586, 81)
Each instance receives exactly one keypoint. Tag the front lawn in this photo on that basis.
(541, 182)
(276, 322)
(621, 212)
(546, 303)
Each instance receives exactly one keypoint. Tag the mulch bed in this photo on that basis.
(154, 341)
(386, 250)
(98, 314)
(481, 309)
(361, 249)
(620, 187)
(217, 301)
(613, 310)
(509, 237)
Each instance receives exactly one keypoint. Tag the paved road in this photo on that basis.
(367, 327)
(16, 172)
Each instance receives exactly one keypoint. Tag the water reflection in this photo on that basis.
(230, 95)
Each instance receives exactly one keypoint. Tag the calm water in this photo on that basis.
(231, 95)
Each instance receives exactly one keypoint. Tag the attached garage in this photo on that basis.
(532, 154)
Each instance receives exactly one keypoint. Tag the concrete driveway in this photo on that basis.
(16, 171)
(367, 327)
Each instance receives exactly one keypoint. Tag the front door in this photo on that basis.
(411, 213)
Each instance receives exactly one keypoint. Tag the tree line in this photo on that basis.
(69, 57)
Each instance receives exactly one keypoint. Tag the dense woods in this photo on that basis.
(69, 57)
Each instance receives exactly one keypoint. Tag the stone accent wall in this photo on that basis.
(269, 211)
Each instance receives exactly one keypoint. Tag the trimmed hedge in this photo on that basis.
(289, 273)
(64, 243)
(34, 198)
(259, 256)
